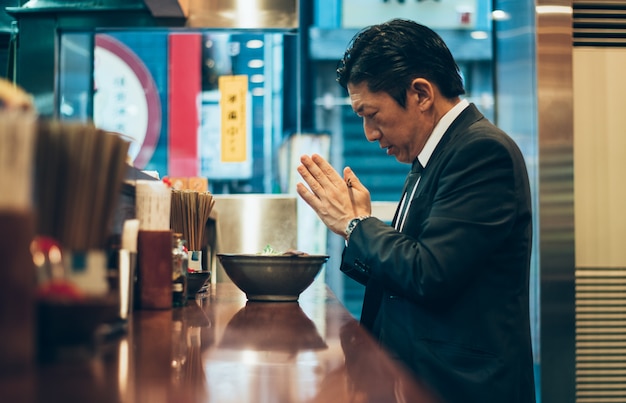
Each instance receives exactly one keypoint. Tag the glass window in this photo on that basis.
(167, 91)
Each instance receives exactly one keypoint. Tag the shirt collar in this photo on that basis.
(439, 130)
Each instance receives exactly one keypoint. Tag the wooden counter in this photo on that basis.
(223, 349)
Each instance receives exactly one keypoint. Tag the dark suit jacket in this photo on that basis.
(449, 295)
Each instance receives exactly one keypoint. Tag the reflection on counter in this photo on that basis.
(219, 348)
(272, 326)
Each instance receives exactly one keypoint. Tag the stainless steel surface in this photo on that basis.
(272, 277)
(534, 104)
(247, 223)
(556, 199)
(240, 14)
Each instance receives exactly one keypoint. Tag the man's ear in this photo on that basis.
(422, 92)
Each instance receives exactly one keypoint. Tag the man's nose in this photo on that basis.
(371, 133)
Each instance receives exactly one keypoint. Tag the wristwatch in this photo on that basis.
(353, 223)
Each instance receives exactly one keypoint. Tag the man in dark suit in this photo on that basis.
(447, 282)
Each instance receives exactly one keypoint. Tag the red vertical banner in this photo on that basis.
(185, 85)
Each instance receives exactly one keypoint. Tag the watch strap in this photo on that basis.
(352, 225)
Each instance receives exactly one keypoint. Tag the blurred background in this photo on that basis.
(547, 72)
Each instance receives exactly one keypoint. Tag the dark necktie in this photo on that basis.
(408, 192)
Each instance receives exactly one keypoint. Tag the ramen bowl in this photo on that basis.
(272, 277)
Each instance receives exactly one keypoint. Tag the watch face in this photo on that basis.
(126, 99)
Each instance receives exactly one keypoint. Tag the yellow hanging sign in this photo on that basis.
(233, 96)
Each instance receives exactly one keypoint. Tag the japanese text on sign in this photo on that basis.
(233, 95)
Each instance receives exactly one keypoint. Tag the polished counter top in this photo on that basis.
(221, 348)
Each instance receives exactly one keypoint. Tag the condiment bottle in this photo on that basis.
(180, 262)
